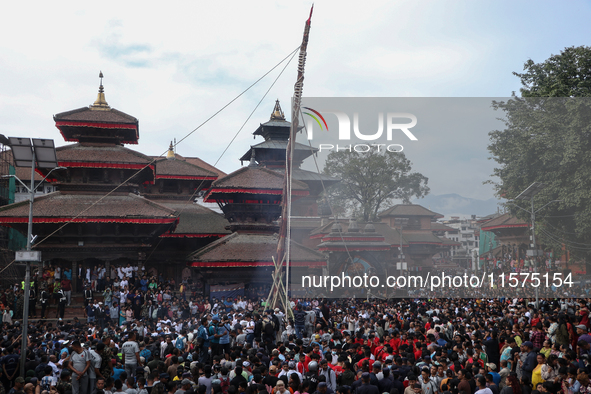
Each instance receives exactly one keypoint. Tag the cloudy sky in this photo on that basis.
(173, 65)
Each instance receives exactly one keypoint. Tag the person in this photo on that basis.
(329, 374)
(185, 386)
(203, 341)
(10, 366)
(464, 384)
(19, 384)
(64, 385)
(131, 354)
(482, 389)
(527, 366)
(62, 301)
(44, 301)
(492, 370)
(67, 288)
(88, 296)
(537, 371)
(428, 385)
(94, 369)
(32, 302)
(79, 364)
(365, 387)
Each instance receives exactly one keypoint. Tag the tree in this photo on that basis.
(547, 138)
(370, 181)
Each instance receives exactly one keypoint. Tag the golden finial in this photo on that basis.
(277, 112)
(170, 154)
(100, 103)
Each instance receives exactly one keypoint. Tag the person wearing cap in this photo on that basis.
(530, 362)
(583, 334)
(492, 370)
(19, 384)
(185, 385)
(271, 378)
(366, 387)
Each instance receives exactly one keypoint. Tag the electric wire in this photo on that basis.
(189, 201)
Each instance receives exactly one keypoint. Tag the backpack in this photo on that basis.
(224, 384)
(562, 335)
(179, 343)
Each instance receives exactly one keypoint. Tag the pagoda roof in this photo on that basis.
(196, 221)
(255, 180)
(301, 150)
(437, 226)
(87, 114)
(180, 169)
(391, 236)
(197, 162)
(504, 221)
(99, 153)
(308, 176)
(409, 210)
(58, 207)
(251, 250)
(98, 125)
(421, 237)
(447, 241)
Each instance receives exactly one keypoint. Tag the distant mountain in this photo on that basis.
(456, 205)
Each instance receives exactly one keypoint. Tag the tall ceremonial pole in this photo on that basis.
(283, 246)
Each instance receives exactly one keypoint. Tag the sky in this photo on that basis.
(173, 66)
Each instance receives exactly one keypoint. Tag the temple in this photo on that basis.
(116, 205)
(108, 204)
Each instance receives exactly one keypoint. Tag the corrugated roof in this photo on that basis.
(409, 210)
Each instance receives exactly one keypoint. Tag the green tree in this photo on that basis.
(370, 181)
(547, 138)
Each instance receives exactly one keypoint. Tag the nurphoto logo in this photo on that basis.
(393, 123)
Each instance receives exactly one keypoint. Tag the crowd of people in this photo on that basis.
(168, 341)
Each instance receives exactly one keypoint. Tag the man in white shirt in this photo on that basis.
(95, 365)
(131, 354)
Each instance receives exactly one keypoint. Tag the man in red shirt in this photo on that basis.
(367, 356)
(395, 342)
(67, 288)
(584, 313)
